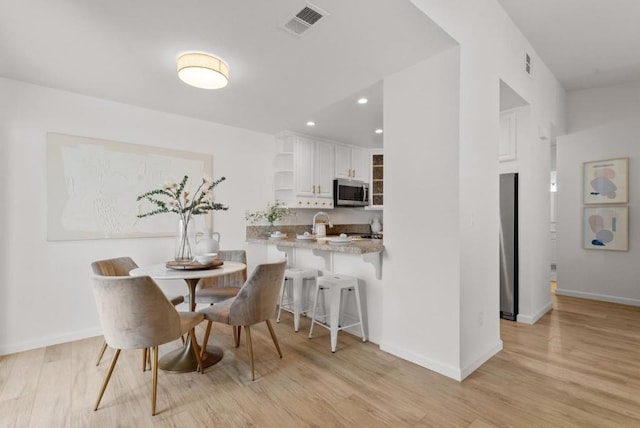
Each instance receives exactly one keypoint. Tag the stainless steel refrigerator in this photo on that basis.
(509, 246)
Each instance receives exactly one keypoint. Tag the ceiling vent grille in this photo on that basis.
(299, 23)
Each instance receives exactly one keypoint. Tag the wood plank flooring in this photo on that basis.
(577, 367)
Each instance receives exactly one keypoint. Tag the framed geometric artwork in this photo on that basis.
(606, 228)
(606, 181)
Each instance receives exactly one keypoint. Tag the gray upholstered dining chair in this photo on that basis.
(215, 290)
(256, 301)
(135, 314)
(121, 266)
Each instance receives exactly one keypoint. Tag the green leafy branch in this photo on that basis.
(173, 198)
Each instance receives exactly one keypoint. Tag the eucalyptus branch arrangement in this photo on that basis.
(275, 211)
(173, 198)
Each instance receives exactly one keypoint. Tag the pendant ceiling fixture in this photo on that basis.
(203, 71)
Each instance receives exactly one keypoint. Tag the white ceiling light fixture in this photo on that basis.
(378, 131)
(363, 101)
(311, 123)
(203, 71)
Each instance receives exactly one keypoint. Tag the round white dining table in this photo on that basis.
(184, 360)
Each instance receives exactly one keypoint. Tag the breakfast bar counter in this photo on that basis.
(356, 246)
(360, 258)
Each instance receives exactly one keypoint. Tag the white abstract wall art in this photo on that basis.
(92, 186)
(606, 181)
(606, 228)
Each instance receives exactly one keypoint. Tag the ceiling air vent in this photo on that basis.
(302, 21)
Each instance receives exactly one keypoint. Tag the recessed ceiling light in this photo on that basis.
(203, 71)
(378, 131)
(363, 101)
(311, 123)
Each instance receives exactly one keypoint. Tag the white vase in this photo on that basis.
(205, 242)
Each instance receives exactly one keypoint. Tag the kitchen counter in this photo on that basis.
(361, 258)
(357, 246)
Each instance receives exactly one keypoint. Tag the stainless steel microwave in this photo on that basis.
(350, 193)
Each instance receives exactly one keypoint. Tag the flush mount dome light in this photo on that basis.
(203, 71)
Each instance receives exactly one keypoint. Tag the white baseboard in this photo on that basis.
(436, 366)
(601, 297)
(532, 319)
(48, 341)
(447, 370)
(483, 358)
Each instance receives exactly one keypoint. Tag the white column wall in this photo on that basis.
(491, 48)
(45, 289)
(421, 272)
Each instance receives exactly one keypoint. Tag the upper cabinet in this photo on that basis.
(352, 163)
(304, 172)
(508, 136)
(305, 168)
(313, 168)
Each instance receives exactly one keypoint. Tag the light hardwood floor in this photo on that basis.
(577, 367)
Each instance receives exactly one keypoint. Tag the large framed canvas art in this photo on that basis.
(93, 184)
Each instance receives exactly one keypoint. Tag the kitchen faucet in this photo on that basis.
(314, 228)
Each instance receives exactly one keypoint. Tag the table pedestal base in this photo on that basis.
(183, 360)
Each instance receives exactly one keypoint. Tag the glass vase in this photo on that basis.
(183, 242)
(271, 228)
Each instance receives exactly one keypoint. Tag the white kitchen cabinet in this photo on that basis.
(313, 168)
(304, 167)
(352, 163)
(312, 172)
(376, 185)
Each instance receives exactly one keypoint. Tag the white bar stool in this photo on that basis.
(336, 284)
(293, 287)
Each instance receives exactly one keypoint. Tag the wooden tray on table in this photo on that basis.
(193, 265)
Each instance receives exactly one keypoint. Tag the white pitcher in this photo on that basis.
(205, 242)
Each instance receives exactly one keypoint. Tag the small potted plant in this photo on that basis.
(275, 211)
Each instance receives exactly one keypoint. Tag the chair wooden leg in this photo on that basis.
(273, 336)
(196, 350)
(154, 387)
(144, 359)
(104, 348)
(149, 358)
(182, 339)
(247, 330)
(205, 341)
(107, 377)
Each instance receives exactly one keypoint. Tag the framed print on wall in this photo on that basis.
(606, 181)
(93, 185)
(606, 228)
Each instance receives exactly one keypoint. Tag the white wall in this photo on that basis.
(45, 291)
(603, 124)
(491, 48)
(421, 273)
